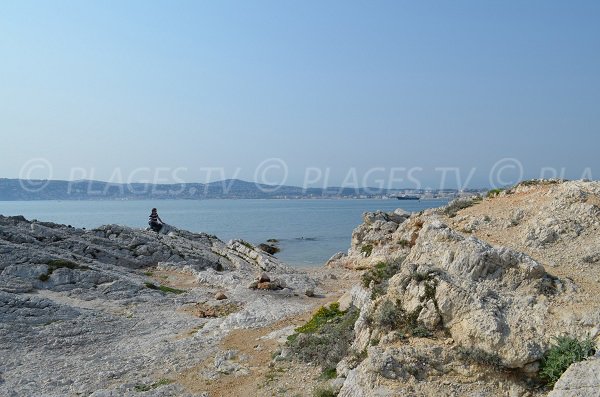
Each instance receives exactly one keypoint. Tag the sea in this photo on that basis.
(309, 231)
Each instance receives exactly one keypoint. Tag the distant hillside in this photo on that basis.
(18, 189)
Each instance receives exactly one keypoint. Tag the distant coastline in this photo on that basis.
(34, 190)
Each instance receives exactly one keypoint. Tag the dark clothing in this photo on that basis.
(155, 226)
(155, 222)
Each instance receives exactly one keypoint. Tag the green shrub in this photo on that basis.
(326, 338)
(324, 392)
(387, 316)
(562, 354)
(366, 250)
(380, 273)
(494, 192)
(404, 243)
(329, 373)
(320, 318)
(391, 316)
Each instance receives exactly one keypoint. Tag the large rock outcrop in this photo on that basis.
(117, 311)
(483, 288)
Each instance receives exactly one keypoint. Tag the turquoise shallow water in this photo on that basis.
(309, 231)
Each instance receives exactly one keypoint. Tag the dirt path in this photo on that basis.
(255, 348)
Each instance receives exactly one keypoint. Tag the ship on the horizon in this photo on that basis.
(407, 197)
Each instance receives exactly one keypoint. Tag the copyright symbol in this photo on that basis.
(35, 166)
(506, 172)
(272, 172)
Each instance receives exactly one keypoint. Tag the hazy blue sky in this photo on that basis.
(101, 88)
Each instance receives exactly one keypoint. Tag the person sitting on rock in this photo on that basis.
(155, 222)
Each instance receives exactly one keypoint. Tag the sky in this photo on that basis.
(310, 93)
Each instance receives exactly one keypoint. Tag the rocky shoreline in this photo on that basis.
(465, 300)
(99, 312)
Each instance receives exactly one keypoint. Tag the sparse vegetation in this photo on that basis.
(404, 243)
(57, 264)
(326, 338)
(387, 316)
(380, 273)
(246, 244)
(320, 318)
(494, 192)
(461, 203)
(366, 250)
(164, 288)
(565, 351)
(162, 382)
(329, 373)
(534, 182)
(480, 357)
(324, 392)
(591, 258)
(390, 316)
(355, 358)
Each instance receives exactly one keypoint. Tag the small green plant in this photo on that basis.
(422, 276)
(324, 392)
(366, 250)
(171, 290)
(391, 316)
(404, 243)
(480, 357)
(247, 244)
(149, 274)
(329, 373)
(420, 331)
(55, 264)
(565, 351)
(164, 288)
(380, 273)
(494, 192)
(162, 382)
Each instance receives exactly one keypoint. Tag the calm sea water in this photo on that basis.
(309, 231)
